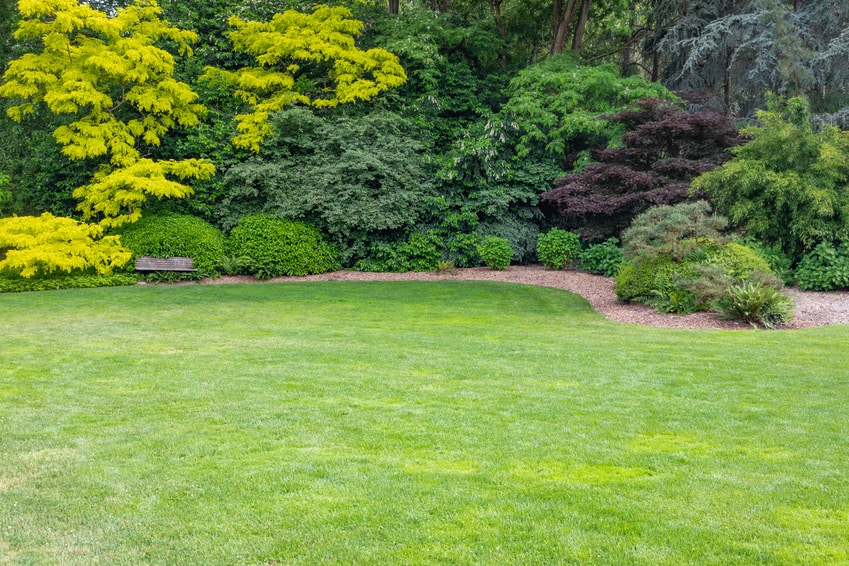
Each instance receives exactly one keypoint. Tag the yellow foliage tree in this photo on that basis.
(281, 46)
(44, 244)
(109, 74)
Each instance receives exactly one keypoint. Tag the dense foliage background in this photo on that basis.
(516, 117)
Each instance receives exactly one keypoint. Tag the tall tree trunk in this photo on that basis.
(561, 25)
(726, 84)
(578, 39)
(625, 62)
(393, 7)
(495, 9)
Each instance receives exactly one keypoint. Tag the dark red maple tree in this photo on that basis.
(665, 148)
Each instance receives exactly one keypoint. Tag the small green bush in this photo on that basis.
(605, 258)
(169, 235)
(824, 268)
(757, 304)
(422, 252)
(275, 247)
(495, 252)
(649, 279)
(558, 249)
(11, 282)
(738, 260)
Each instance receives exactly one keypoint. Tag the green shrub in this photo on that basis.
(495, 252)
(649, 279)
(779, 262)
(521, 233)
(824, 268)
(275, 247)
(422, 251)
(168, 235)
(13, 283)
(672, 230)
(558, 249)
(605, 258)
(738, 260)
(757, 303)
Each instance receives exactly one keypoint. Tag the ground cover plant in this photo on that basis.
(416, 423)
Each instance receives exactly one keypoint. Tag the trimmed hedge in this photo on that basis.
(273, 247)
(13, 283)
(169, 235)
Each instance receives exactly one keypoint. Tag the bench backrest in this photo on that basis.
(148, 263)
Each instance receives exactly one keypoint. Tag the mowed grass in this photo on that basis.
(410, 423)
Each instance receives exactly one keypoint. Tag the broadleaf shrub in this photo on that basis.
(650, 278)
(558, 249)
(495, 252)
(422, 251)
(738, 260)
(275, 247)
(605, 258)
(13, 283)
(779, 262)
(170, 235)
(824, 268)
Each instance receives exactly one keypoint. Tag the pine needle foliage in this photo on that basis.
(117, 85)
(288, 46)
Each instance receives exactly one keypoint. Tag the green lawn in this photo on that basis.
(410, 423)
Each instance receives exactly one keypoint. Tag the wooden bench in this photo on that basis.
(148, 263)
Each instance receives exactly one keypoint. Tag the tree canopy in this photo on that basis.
(117, 86)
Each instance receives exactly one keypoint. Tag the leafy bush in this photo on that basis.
(738, 260)
(824, 268)
(276, 247)
(757, 303)
(522, 235)
(13, 283)
(357, 180)
(169, 235)
(422, 251)
(788, 185)
(649, 279)
(673, 230)
(495, 252)
(779, 262)
(605, 258)
(558, 249)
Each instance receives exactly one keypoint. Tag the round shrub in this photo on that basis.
(605, 258)
(169, 235)
(495, 252)
(558, 249)
(673, 230)
(650, 278)
(272, 247)
(739, 260)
